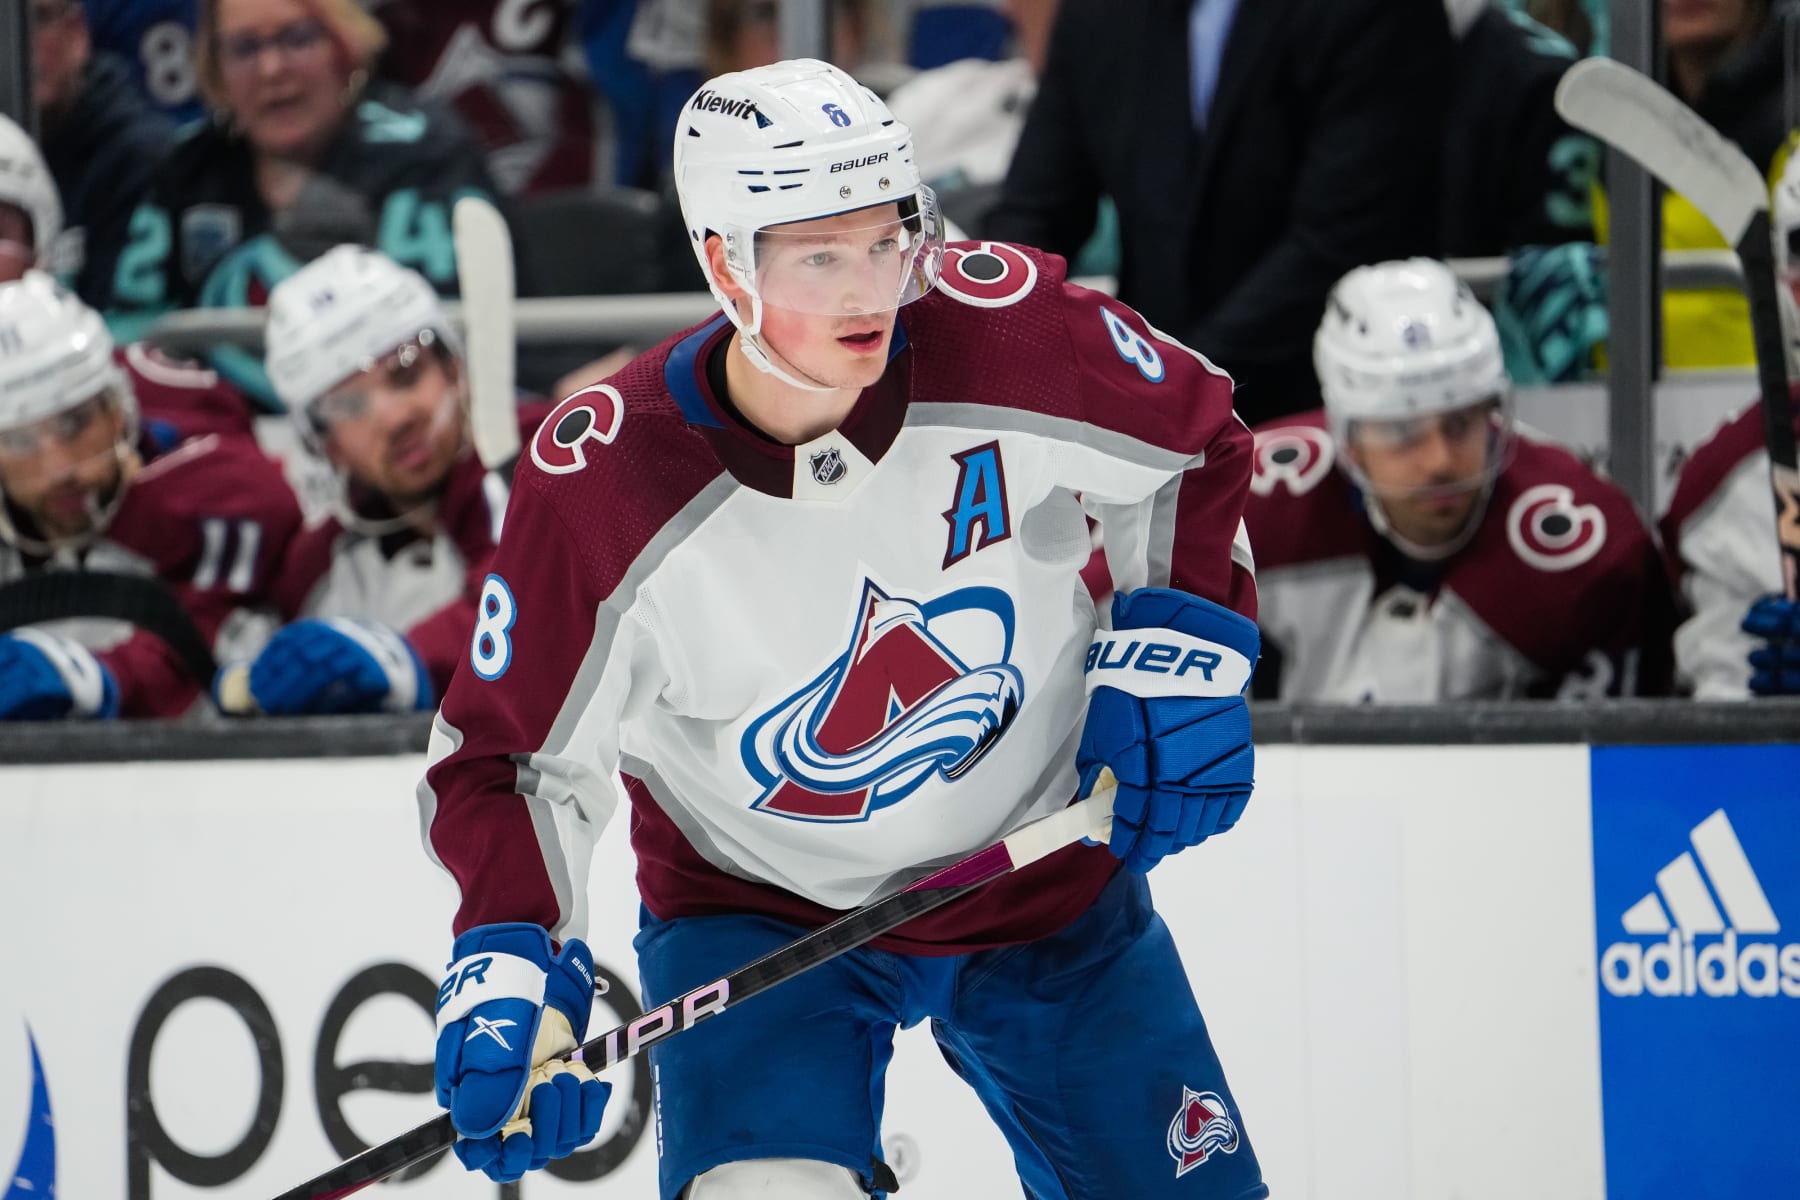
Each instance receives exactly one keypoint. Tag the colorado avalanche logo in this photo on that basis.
(987, 275)
(591, 415)
(1553, 533)
(896, 708)
(1200, 1128)
(1295, 455)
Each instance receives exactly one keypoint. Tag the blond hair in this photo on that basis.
(357, 38)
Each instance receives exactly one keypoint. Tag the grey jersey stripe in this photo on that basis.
(994, 418)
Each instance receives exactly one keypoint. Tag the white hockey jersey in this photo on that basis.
(825, 669)
(1719, 533)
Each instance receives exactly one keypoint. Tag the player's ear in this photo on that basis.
(715, 263)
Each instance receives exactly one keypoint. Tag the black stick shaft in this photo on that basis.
(827, 942)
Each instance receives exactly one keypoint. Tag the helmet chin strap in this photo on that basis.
(100, 513)
(756, 350)
(1419, 553)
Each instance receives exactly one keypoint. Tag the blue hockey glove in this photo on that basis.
(507, 1011)
(44, 677)
(1775, 665)
(336, 665)
(1166, 712)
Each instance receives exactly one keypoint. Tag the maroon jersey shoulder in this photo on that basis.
(211, 497)
(1560, 553)
(1301, 508)
(618, 460)
(186, 396)
(1707, 469)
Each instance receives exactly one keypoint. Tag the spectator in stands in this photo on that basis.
(1255, 151)
(502, 69)
(1742, 634)
(384, 593)
(30, 209)
(1413, 547)
(87, 493)
(1519, 182)
(741, 34)
(103, 141)
(303, 153)
(1725, 60)
(155, 38)
(966, 115)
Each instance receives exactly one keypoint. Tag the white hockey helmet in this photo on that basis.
(25, 182)
(796, 141)
(55, 353)
(1405, 339)
(341, 314)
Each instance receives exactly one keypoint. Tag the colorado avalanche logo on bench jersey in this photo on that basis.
(897, 707)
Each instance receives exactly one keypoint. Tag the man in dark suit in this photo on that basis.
(1256, 150)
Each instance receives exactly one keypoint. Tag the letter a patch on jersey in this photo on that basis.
(979, 518)
(900, 705)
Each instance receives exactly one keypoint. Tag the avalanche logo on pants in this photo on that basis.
(1201, 1127)
(897, 707)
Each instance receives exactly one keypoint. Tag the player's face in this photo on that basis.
(398, 426)
(284, 77)
(829, 289)
(16, 250)
(1696, 24)
(60, 470)
(1427, 471)
(60, 48)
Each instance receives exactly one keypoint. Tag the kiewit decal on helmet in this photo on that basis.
(341, 314)
(25, 183)
(791, 142)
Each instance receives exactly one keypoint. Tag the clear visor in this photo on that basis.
(858, 264)
(1434, 455)
(60, 433)
(395, 377)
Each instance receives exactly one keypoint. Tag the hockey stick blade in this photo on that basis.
(484, 275)
(1089, 818)
(1636, 115)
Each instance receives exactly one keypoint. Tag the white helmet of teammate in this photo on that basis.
(795, 141)
(56, 355)
(1404, 347)
(340, 315)
(25, 182)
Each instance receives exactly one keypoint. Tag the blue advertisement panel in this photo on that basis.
(1697, 911)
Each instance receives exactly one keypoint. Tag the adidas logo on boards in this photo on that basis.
(1705, 952)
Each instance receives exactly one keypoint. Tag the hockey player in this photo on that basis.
(385, 589)
(30, 209)
(81, 489)
(809, 576)
(1742, 633)
(1414, 547)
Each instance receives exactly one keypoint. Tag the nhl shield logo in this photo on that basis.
(827, 466)
(1201, 1127)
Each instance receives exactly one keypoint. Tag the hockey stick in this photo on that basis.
(1089, 818)
(1634, 114)
(484, 276)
